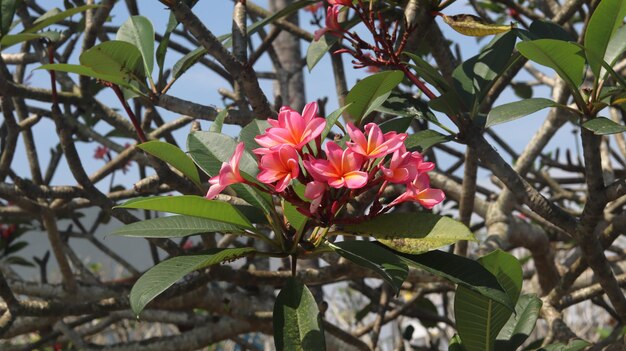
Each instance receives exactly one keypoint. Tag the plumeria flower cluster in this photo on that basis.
(291, 152)
(384, 52)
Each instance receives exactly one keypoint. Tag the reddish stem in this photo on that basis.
(133, 118)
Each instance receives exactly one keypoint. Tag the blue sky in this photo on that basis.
(200, 85)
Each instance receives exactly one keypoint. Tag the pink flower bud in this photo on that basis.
(228, 175)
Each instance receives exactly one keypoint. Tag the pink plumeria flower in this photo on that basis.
(420, 191)
(332, 23)
(229, 174)
(405, 166)
(374, 144)
(314, 191)
(291, 128)
(340, 2)
(279, 167)
(341, 169)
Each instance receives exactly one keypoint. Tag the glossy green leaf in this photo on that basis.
(175, 227)
(520, 324)
(209, 150)
(563, 57)
(428, 73)
(375, 257)
(53, 16)
(218, 123)
(518, 109)
(603, 126)
(250, 131)
(412, 233)
(191, 58)
(174, 156)
(297, 320)
(113, 58)
(447, 103)
(138, 31)
(425, 139)
(332, 119)
(574, 345)
(318, 48)
(607, 17)
(479, 319)
(160, 277)
(88, 72)
(191, 205)
(462, 271)
(371, 92)
(7, 10)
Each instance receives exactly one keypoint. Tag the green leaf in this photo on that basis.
(400, 125)
(7, 10)
(332, 119)
(113, 58)
(191, 205)
(462, 271)
(520, 324)
(412, 233)
(425, 139)
(175, 227)
(428, 73)
(518, 109)
(296, 219)
(473, 77)
(455, 344)
(174, 156)
(318, 48)
(447, 103)
(603, 126)
(161, 50)
(607, 17)
(371, 92)
(544, 29)
(12, 39)
(563, 57)
(209, 150)
(382, 261)
(250, 131)
(522, 90)
(297, 321)
(181, 66)
(86, 71)
(615, 48)
(218, 123)
(160, 277)
(479, 319)
(53, 16)
(138, 30)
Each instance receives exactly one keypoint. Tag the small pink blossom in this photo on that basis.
(375, 144)
(314, 191)
(280, 166)
(228, 175)
(420, 191)
(332, 23)
(405, 166)
(291, 128)
(340, 169)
